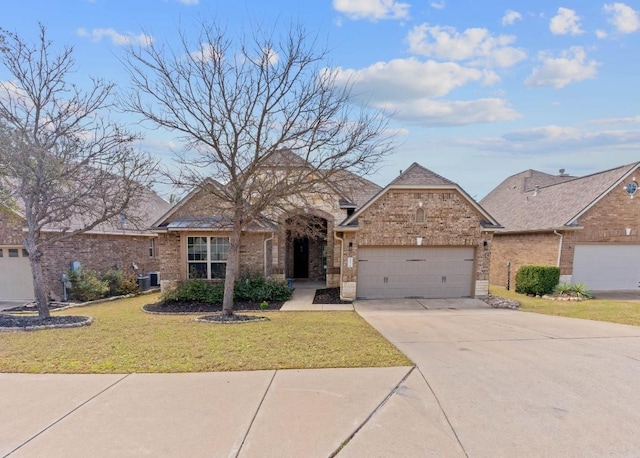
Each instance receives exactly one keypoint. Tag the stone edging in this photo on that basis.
(88, 320)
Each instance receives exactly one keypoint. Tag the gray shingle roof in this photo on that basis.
(518, 206)
(419, 175)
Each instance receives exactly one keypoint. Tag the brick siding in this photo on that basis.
(391, 221)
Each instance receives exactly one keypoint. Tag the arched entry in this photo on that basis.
(307, 249)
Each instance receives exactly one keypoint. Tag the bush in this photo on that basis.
(252, 288)
(86, 286)
(196, 290)
(537, 280)
(120, 283)
(256, 288)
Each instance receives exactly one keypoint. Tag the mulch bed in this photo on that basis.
(33, 323)
(328, 296)
(179, 307)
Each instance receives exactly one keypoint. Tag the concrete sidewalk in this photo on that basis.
(289, 413)
(302, 299)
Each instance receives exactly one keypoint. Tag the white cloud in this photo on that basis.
(117, 38)
(433, 113)
(406, 79)
(476, 45)
(407, 88)
(601, 34)
(188, 2)
(610, 121)
(438, 5)
(510, 17)
(373, 10)
(623, 17)
(205, 53)
(552, 140)
(565, 22)
(570, 67)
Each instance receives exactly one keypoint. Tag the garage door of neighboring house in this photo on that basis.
(607, 267)
(16, 283)
(421, 272)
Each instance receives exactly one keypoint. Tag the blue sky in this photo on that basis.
(479, 89)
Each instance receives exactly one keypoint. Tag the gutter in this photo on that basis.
(264, 250)
(559, 246)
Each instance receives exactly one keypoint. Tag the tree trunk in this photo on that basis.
(42, 302)
(231, 273)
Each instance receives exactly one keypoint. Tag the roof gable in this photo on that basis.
(419, 177)
(555, 206)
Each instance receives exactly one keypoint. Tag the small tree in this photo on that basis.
(64, 165)
(263, 122)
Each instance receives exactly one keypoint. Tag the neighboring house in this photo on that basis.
(124, 242)
(588, 226)
(421, 236)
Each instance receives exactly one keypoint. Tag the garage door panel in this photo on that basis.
(16, 283)
(607, 267)
(429, 272)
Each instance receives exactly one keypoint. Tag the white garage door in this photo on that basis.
(402, 272)
(607, 267)
(16, 283)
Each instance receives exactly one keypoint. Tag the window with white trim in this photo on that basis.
(152, 248)
(207, 257)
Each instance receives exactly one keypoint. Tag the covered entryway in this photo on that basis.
(421, 272)
(16, 283)
(607, 267)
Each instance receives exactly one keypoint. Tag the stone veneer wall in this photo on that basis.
(391, 221)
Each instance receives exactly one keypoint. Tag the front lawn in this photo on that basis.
(123, 339)
(623, 312)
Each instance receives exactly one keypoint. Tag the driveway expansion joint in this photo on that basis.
(370, 416)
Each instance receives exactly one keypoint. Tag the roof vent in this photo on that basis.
(536, 190)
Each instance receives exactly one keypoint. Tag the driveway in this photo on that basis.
(509, 383)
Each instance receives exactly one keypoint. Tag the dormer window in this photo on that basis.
(420, 215)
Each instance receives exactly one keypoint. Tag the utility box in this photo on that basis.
(154, 279)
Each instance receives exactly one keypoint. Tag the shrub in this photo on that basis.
(120, 283)
(86, 286)
(537, 280)
(196, 290)
(577, 290)
(252, 288)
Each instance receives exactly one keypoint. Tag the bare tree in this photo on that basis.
(239, 103)
(63, 163)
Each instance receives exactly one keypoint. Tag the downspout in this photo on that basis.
(335, 234)
(559, 247)
(264, 250)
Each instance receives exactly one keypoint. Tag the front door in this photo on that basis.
(301, 257)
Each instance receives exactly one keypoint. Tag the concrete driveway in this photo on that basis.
(512, 383)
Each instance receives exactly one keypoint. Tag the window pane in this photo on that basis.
(197, 270)
(13, 252)
(219, 248)
(196, 248)
(218, 269)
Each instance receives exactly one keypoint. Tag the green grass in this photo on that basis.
(124, 339)
(623, 312)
